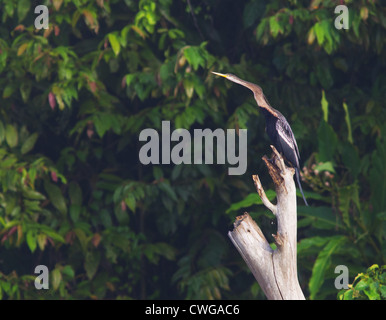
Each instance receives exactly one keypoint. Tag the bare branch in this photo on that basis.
(262, 194)
(275, 270)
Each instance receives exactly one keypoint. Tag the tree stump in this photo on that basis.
(275, 270)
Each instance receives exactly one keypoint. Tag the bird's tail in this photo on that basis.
(300, 186)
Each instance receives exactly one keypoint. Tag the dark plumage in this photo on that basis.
(277, 127)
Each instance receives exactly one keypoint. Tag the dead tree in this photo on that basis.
(275, 270)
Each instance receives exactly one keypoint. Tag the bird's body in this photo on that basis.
(277, 127)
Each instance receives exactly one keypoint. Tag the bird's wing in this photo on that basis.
(286, 134)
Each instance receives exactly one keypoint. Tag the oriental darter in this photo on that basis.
(277, 127)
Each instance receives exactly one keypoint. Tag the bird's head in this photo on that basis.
(257, 91)
(231, 77)
(228, 76)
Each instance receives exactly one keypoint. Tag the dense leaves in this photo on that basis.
(367, 286)
(75, 97)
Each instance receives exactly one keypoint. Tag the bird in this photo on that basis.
(277, 126)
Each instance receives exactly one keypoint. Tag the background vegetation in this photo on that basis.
(74, 98)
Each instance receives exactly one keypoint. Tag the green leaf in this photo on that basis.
(23, 6)
(2, 132)
(348, 122)
(75, 193)
(383, 291)
(75, 212)
(11, 135)
(53, 235)
(312, 242)
(56, 197)
(102, 124)
(324, 104)
(31, 205)
(91, 263)
(350, 158)
(274, 26)
(189, 88)
(114, 43)
(32, 194)
(105, 218)
(325, 166)
(362, 285)
(319, 31)
(327, 141)
(323, 73)
(347, 295)
(322, 263)
(356, 21)
(260, 31)
(8, 90)
(364, 13)
(31, 240)
(41, 240)
(165, 186)
(8, 162)
(129, 78)
(253, 11)
(322, 217)
(345, 195)
(194, 56)
(82, 237)
(56, 278)
(166, 250)
(25, 91)
(68, 271)
(130, 201)
(29, 143)
(121, 215)
(249, 200)
(157, 172)
(372, 290)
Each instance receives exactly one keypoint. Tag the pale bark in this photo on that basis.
(275, 270)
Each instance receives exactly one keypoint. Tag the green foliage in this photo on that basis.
(367, 286)
(74, 98)
(361, 233)
(251, 199)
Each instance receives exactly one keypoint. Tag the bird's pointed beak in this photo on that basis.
(220, 74)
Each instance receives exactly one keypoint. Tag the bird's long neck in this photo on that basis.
(261, 100)
(264, 104)
(251, 86)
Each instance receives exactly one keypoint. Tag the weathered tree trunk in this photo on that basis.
(275, 270)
